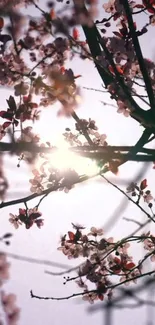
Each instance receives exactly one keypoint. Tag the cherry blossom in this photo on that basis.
(8, 301)
(109, 7)
(123, 249)
(36, 187)
(15, 221)
(147, 197)
(149, 245)
(95, 232)
(90, 297)
(81, 284)
(12, 312)
(27, 217)
(4, 268)
(122, 108)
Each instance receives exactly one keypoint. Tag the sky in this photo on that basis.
(91, 203)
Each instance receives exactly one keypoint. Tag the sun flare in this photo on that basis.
(64, 159)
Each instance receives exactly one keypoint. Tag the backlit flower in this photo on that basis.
(147, 196)
(95, 231)
(109, 6)
(15, 221)
(122, 108)
(90, 297)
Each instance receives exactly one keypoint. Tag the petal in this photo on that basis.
(120, 110)
(152, 258)
(129, 266)
(11, 215)
(103, 136)
(93, 229)
(126, 113)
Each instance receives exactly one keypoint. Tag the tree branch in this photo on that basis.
(139, 55)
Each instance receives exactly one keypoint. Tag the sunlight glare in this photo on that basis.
(63, 159)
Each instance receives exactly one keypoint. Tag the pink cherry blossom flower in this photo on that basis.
(123, 109)
(95, 232)
(4, 268)
(123, 249)
(39, 223)
(90, 297)
(15, 221)
(131, 276)
(147, 196)
(14, 316)
(149, 243)
(109, 7)
(81, 284)
(37, 187)
(12, 312)
(8, 301)
(71, 250)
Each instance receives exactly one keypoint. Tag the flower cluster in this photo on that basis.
(141, 192)
(18, 113)
(104, 258)
(122, 48)
(49, 177)
(84, 127)
(123, 108)
(28, 217)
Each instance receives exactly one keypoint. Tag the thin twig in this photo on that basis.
(128, 197)
(133, 220)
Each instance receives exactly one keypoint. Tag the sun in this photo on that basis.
(64, 159)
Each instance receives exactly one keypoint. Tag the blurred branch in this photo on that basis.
(37, 261)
